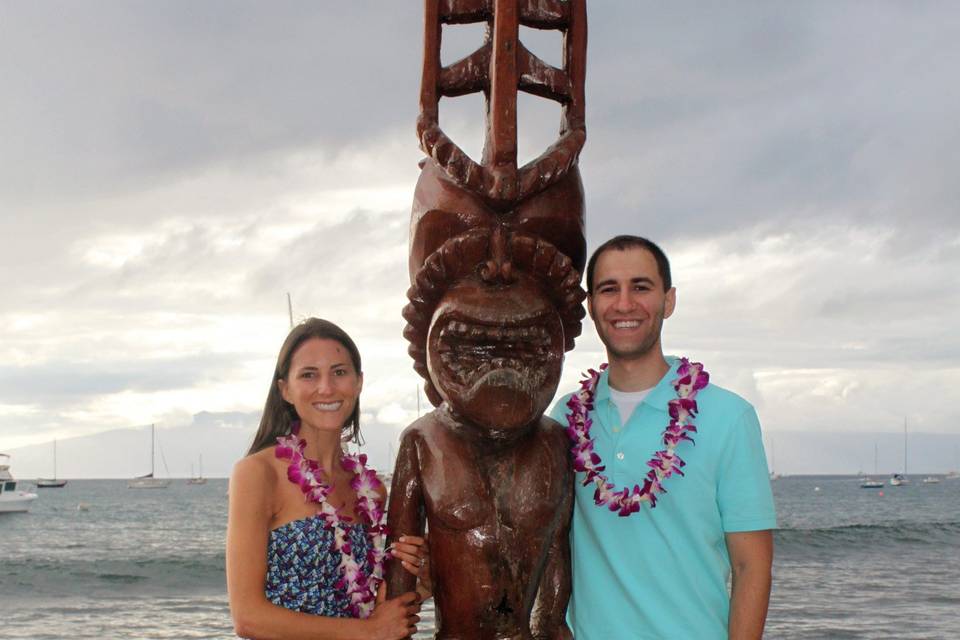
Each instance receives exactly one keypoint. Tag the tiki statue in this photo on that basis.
(496, 252)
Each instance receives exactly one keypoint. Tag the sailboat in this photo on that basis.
(870, 483)
(52, 483)
(773, 460)
(197, 479)
(898, 479)
(953, 474)
(148, 481)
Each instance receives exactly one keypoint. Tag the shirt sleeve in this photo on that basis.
(744, 494)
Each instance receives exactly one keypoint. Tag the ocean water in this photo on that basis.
(850, 562)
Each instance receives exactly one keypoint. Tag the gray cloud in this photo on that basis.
(64, 384)
(131, 93)
(803, 111)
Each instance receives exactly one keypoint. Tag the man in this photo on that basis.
(662, 572)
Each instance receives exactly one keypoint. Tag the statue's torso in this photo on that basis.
(492, 512)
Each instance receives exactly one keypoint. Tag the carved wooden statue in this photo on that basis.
(495, 258)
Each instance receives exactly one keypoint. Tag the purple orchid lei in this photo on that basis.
(691, 378)
(361, 588)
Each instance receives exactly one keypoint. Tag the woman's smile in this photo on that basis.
(328, 406)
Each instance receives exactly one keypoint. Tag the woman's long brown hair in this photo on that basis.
(278, 414)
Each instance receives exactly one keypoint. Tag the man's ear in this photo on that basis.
(670, 302)
(590, 306)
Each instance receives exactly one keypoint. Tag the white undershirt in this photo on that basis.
(627, 401)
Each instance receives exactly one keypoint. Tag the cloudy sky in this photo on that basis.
(169, 171)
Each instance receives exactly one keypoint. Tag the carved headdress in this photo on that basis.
(493, 223)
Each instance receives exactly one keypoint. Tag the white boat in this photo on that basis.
(12, 499)
(870, 483)
(901, 479)
(52, 483)
(197, 479)
(953, 475)
(148, 481)
(931, 480)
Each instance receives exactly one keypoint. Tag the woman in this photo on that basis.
(305, 532)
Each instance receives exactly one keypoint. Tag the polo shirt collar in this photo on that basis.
(603, 386)
(658, 398)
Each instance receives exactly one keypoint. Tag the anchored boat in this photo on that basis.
(148, 481)
(52, 483)
(11, 497)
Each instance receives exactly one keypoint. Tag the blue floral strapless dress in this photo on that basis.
(302, 566)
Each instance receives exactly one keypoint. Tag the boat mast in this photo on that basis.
(773, 455)
(904, 446)
(152, 443)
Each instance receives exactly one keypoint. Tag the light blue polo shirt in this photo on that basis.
(663, 572)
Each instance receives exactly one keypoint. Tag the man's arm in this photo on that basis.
(751, 558)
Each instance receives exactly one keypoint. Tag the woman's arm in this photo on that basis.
(251, 489)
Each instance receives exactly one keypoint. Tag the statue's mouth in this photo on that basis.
(471, 350)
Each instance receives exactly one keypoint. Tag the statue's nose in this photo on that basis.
(498, 269)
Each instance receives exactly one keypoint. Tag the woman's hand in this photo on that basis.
(394, 619)
(414, 554)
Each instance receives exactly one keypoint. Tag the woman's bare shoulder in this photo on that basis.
(382, 489)
(257, 469)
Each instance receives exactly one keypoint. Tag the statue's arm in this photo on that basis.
(405, 514)
(548, 618)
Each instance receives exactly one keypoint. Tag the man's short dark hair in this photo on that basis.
(622, 243)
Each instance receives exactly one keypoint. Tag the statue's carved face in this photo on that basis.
(495, 352)
(495, 296)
